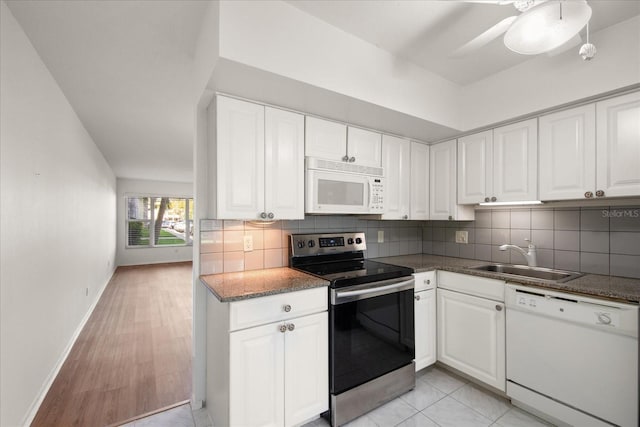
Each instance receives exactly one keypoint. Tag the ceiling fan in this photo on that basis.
(541, 26)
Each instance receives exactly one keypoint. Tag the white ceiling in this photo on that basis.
(427, 32)
(126, 66)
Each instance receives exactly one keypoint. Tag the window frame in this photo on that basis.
(189, 222)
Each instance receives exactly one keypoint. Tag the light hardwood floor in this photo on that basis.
(133, 355)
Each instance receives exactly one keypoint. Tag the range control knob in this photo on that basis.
(301, 244)
(350, 241)
(311, 243)
(358, 240)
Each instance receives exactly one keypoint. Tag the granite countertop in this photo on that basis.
(620, 288)
(243, 285)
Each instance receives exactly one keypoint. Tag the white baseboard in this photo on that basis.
(33, 409)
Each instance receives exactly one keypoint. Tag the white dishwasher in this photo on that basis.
(572, 358)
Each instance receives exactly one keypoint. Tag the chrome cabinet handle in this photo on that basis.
(417, 297)
(352, 159)
(498, 307)
(291, 326)
(599, 193)
(450, 218)
(263, 215)
(271, 215)
(487, 200)
(494, 198)
(287, 308)
(345, 158)
(427, 281)
(405, 217)
(588, 195)
(282, 328)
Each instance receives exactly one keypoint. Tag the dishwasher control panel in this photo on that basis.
(609, 315)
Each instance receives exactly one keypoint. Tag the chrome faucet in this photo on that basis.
(529, 256)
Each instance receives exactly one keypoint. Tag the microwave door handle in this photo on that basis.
(369, 194)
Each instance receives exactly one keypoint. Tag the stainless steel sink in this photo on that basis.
(538, 273)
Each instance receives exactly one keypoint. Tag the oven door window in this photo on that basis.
(370, 337)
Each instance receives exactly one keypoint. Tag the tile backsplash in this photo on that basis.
(222, 242)
(604, 240)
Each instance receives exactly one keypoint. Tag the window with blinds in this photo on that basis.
(153, 221)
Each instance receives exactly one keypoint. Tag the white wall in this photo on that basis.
(280, 38)
(545, 82)
(58, 222)
(138, 256)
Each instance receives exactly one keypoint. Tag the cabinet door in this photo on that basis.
(325, 139)
(442, 180)
(239, 153)
(256, 376)
(419, 181)
(567, 166)
(396, 162)
(306, 368)
(425, 328)
(364, 147)
(475, 165)
(515, 162)
(618, 146)
(471, 336)
(284, 164)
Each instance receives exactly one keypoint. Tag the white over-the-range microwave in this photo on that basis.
(343, 188)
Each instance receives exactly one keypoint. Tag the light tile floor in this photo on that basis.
(440, 398)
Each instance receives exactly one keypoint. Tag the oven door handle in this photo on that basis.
(344, 296)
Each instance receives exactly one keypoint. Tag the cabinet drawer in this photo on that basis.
(258, 311)
(472, 285)
(424, 281)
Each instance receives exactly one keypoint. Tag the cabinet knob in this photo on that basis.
(498, 307)
(417, 297)
(282, 328)
(345, 158)
(494, 198)
(263, 215)
(588, 195)
(427, 281)
(405, 217)
(450, 218)
(487, 200)
(599, 193)
(352, 159)
(271, 215)
(287, 308)
(291, 326)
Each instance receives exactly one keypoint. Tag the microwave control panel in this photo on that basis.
(377, 196)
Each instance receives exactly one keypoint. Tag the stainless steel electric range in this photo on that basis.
(371, 322)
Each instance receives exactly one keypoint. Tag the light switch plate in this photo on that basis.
(248, 243)
(462, 237)
(380, 236)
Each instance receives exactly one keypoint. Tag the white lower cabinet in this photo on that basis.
(471, 329)
(273, 374)
(425, 319)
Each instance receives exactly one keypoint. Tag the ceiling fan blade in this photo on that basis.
(484, 38)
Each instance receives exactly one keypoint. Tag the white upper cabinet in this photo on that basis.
(257, 162)
(567, 166)
(443, 203)
(284, 164)
(325, 139)
(419, 181)
(475, 157)
(618, 146)
(500, 165)
(335, 141)
(364, 147)
(515, 162)
(396, 162)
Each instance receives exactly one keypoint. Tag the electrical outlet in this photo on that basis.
(248, 243)
(462, 237)
(380, 236)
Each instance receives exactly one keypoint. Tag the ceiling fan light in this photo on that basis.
(547, 26)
